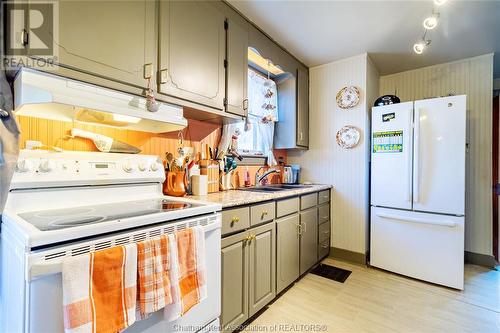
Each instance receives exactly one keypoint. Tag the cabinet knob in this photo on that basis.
(163, 76)
(235, 219)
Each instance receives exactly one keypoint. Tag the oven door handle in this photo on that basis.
(54, 266)
(44, 268)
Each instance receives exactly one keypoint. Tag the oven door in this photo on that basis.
(44, 289)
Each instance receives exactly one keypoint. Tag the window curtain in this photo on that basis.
(262, 114)
(263, 111)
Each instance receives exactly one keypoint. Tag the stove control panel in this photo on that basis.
(37, 168)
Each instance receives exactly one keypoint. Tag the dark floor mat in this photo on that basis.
(331, 272)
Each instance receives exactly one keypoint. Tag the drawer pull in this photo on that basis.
(264, 213)
(326, 232)
(299, 229)
(326, 217)
(235, 219)
(324, 246)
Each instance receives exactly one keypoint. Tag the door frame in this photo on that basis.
(495, 172)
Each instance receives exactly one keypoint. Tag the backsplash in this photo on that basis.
(56, 133)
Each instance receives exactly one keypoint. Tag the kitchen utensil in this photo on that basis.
(288, 175)
(105, 143)
(175, 183)
(387, 100)
(170, 159)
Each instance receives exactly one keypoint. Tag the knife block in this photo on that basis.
(211, 169)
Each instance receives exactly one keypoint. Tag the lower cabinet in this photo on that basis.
(308, 239)
(288, 261)
(248, 274)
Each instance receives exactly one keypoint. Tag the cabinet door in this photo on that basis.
(302, 107)
(192, 50)
(237, 66)
(262, 268)
(308, 239)
(114, 40)
(287, 268)
(234, 257)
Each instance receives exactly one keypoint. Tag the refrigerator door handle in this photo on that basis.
(444, 223)
(416, 157)
(408, 153)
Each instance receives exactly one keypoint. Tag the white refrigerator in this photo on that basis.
(418, 189)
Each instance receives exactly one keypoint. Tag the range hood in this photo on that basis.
(42, 95)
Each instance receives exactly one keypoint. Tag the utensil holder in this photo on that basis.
(211, 169)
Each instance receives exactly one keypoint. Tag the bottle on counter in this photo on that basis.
(247, 178)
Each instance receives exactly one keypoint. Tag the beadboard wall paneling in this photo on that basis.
(474, 78)
(56, 133)
(325, 162)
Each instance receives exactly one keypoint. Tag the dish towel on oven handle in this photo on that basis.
(99, 290)
(188, 278)
(153, 274)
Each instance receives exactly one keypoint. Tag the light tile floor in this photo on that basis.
(372, 300)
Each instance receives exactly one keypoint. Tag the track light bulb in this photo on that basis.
(431, 22)
(419, 47)
(440, 2)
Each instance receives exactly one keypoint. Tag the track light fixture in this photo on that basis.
(429, 23)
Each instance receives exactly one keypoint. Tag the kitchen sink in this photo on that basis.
(275, 187)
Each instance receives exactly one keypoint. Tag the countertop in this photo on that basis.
(234, 198)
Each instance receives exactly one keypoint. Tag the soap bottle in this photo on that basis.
(247, 177)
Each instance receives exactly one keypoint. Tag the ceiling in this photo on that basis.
(318, 32)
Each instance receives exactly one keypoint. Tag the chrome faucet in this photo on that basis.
(258, 178)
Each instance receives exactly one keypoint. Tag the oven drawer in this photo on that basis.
(261, 213)
(234, 220)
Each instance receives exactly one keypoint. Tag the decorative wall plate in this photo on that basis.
(348, 97)
(348, 137)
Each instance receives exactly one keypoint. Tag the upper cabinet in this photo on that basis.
(192, 52)
(302, 131)
(119, 44)
(237, 62)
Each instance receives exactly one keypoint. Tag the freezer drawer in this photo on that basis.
(425, 246)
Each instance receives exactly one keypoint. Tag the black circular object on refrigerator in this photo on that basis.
(387, 100)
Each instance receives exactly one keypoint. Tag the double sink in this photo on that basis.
(275, 188)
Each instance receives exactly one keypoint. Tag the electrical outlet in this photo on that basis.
(30, 144)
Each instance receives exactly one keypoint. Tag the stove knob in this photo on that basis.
(24, 166)
(155, 166)
(128, 167)
(142, 166)
(46, 166)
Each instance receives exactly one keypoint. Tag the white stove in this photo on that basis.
(71, 203)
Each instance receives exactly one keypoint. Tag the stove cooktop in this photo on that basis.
(46, 220)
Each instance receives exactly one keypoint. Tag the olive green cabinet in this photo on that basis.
(262, 268)
(116, 41)
(288, 243)
(192, 52)
(235, 274)
(237, 63)
(302, 131)
(308, 239)
(248, 273)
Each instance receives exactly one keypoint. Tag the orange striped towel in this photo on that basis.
(188, 271)
(99, 290)
(153, 275)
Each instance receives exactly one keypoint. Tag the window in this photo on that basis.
(262, 114)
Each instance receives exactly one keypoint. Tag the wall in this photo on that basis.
(325, 162)
(474, 78)
(56, 133)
